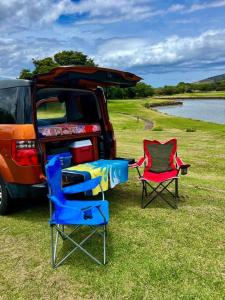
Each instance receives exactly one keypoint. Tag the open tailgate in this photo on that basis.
(86, 77)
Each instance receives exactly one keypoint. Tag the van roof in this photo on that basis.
(11, 83)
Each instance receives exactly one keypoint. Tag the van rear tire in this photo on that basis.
(5, 199)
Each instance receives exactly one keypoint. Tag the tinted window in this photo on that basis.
(66, 106)
(82, 108)
(50, 113)
(15, 105)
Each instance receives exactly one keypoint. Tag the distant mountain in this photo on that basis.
(213, 79)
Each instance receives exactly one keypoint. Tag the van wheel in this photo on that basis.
(5, 199)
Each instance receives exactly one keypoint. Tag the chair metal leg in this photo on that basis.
(56, 244)
(176, 188)
(60, 232)
(142, 195)
(52, 246)
(176, 192)
(159, 193)
(104, 244)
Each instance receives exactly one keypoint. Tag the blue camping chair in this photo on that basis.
(94, 214)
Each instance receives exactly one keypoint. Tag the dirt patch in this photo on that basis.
(148, 123)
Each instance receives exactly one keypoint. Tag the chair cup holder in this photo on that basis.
(184, 171)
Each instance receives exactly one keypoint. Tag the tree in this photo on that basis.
(143, 90)
(168, 90)
(67, 58)
(26, 74)
(63, 58)
(115, 93)
(180, 88)
(130, 92)
(44, 65)
(220, 86)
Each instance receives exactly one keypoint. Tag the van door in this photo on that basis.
(86, 77)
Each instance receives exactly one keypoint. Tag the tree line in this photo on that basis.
(141, 90)
(183, 87)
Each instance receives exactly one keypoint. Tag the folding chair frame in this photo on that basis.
(60, 233)
(162, 186)
(158, 192)
(58, 230)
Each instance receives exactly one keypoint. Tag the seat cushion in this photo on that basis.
(160, 177)
(81, 213)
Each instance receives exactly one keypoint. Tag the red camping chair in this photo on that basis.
(162, 166)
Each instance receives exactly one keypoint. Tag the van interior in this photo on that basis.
(65, 116)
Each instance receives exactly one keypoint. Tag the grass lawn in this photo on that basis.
(155, 253)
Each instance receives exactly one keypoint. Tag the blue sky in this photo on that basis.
(164, 42)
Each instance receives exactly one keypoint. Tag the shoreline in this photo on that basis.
(172, 102)
(168, 102)
(191, 97)
(176, 101)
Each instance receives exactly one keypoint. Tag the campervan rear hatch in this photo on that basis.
(86, 77)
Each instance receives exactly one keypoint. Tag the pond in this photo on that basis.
(211, 110)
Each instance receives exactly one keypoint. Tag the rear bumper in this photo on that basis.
(26, 190)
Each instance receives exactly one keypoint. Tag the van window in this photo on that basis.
(67, 107)
(50, 113)
(15, 105)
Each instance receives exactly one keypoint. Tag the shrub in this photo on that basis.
(190, 129)
(147, 105)
(157, 128)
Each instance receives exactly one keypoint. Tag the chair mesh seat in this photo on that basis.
(160, 157)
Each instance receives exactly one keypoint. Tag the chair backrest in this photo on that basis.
(54, 180)
(160, 155)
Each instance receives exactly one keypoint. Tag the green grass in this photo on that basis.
(155, 253)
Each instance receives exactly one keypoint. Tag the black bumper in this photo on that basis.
(26, 190)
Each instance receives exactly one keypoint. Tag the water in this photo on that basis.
(211, 110)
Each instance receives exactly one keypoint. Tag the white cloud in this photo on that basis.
(26, 13)
(23, 14)
(206, 5)
(20, 15)
(204, 51)
(29, 30)
(15, 13)
(176, 8)
(208, 49)
(16, 54)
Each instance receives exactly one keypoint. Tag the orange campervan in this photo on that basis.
(47, 115)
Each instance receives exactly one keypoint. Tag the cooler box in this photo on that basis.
(82, 151)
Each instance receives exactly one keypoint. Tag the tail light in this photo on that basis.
(24, 152)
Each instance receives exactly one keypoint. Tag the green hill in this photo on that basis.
(213, 79)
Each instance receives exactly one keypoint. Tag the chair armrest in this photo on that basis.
(139, 163)
(87, 211)
(83, 186)
(185, 166)
(182, 166)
